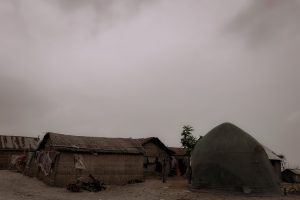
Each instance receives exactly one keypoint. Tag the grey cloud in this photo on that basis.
(21, 105)
(271, 22)
(138, 69)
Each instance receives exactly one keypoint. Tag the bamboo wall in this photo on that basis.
(50, 179)
(32, 169)
(110, 168)
(290, 177)
(277, 168)
(153, 152)
(5, 157)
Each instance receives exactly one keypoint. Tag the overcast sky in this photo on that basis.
(139, 68)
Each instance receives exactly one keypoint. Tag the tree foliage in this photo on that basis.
(188, 141)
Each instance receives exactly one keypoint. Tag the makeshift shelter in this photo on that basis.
(62, 158)
(291, 175)
(13, 146)
(275, 161)
(182, 159)
(156, 157)
(228, 158)
(179, 152)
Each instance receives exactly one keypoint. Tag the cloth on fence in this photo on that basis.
(13, 159)
(18, 162)
(78, 162)
(44, 162)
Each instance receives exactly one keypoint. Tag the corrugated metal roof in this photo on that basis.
(178, 151)
(144, 140)
(92, 144)
(18, 143)
(156, 141)
(295, 171)
(271, 154)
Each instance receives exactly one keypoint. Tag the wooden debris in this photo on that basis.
(90, 184)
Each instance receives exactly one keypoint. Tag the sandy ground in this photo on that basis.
(14, 186)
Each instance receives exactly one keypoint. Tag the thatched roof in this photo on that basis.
(271, 154)
(294, 171)
(73, 143)
(156, 141)
(229, 158)
(178, 151)
(19, 143)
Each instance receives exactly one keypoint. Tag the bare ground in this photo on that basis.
(15, 186)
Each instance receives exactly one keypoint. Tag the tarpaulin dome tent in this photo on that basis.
(229, 158)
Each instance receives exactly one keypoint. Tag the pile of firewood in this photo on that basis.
(290, 188)
(90, 184)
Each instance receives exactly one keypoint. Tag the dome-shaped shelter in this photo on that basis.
(229, 158)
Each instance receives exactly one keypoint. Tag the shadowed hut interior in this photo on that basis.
(156, 156)
(182, 159)
(291, 175)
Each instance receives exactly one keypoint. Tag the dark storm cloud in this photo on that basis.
(103, 8)
(269, 31)
(21, 105)
(138, 69)
(269, 21)
(103, 13)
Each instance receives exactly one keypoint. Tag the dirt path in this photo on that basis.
(15, 186)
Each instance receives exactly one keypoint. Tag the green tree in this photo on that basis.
(188, 141)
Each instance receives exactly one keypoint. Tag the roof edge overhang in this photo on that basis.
(160, 143)
(104, 151)
(20, 150)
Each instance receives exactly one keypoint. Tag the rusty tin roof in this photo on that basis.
(271, 154)
(74, 143)
(18, 143)
(156, 141)
(178, 151)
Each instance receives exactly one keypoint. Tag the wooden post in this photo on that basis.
(189, 172)
(164, 171)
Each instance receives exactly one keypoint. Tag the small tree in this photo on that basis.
(188, 141)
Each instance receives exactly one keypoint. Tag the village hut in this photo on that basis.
(156, 157)
(276, 162)
(63, 158)
(229, 158)
(11, 147)
(291, 175)
(182, 159)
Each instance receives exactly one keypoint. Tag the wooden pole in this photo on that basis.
(189, 171)
(164, 171)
